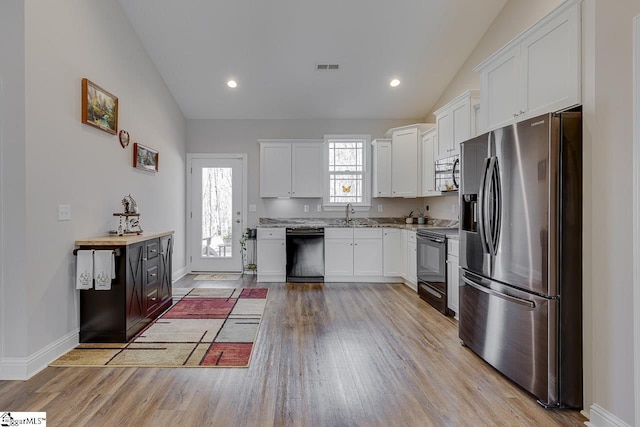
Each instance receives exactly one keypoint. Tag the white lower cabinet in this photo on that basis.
(392, 258)
(453, 278)
(412, 261)
(272, 255)
(352, 252)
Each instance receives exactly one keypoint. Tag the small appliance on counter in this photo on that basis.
(448, 174)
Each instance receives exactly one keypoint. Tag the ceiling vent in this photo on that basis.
(327, 67)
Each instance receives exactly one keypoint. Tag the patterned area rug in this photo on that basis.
(217, 276)
(206, 328)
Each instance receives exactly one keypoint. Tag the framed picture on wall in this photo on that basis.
(145, 158)
(99, 107)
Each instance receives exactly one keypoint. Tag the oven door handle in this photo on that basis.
(489, 291)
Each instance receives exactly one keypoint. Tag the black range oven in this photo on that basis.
(432, 267)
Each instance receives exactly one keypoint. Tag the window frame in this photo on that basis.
(365, 205)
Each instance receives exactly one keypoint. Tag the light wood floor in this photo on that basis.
(332, 354)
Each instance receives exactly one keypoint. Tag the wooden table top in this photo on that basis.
(128, 239)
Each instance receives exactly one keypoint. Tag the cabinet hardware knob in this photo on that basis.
(144, 259)
(153, 299)
(154, 275)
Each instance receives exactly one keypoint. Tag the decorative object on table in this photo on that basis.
(145, 158)
(409, 218)
(99, 107)
(124, 138)
(207, 328)
(421, 217)
(129, 220)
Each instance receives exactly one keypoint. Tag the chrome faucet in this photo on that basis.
(349, 211)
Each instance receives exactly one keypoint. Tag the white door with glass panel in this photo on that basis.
(216, 214)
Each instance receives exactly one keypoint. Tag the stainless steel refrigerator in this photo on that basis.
(521, 254)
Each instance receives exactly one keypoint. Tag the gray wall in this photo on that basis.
(240, 136)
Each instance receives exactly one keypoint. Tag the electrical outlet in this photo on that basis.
(306, 208)
(252, 208)
(379, 208)
(319, 208)
(64, 212)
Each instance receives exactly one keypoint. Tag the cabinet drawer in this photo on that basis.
(151, 275)
(452, 247)
(338, 233)
(152, 249)
(411, 236)
(271, 233)
(152, 299)
(433, 297)
(367, 233)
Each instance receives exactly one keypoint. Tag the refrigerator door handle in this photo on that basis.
(524, 302)
(488, 200)
(482, 206)
(496, 189)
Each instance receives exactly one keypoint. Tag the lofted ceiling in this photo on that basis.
(272, 47)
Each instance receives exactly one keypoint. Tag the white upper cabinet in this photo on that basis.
(307, 170)
(455, 123)
(291, 169)
(536, 73)
(429, 153)
(381, 167)
(406, 160)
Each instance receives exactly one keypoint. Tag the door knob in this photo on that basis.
(238, 221)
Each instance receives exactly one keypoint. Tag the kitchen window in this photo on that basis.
(346, 163)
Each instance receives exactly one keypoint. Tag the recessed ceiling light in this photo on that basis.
(232, 84)
(394, 83)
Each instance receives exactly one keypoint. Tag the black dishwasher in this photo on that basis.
(305, 254)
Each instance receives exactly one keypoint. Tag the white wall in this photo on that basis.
(68, 162)
(610, 127)
(240, 136)
(13, 293)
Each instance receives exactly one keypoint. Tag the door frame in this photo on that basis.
(636, 210)
(217, 156)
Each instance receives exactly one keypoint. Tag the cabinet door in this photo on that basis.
(412, 262)
(403, 253)
(166, 259)
(306, 180)
(135, 298)
(500, 82)
(275, 170)
(550, 59)
(382, 169)
(452, 283)
(338, 257)
(272, 257)
(404, 163)
(391, 252)
(461, 124)
(428, 164)
(444, 124)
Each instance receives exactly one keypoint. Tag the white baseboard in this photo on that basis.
(179, 274)
(23, 368)
(600, 417)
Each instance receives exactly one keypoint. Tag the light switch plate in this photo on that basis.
(252, 208)
(379, 208)
(306, 208)
(64, 212)
(319, 208)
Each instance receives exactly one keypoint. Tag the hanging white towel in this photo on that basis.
(84, 269)
(103, 269)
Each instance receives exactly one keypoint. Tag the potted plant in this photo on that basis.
(421, 217)
(409, 218)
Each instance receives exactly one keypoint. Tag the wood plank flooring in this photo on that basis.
(333, 354)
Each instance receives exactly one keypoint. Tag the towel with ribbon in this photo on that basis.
(84, 269)
(104, 269)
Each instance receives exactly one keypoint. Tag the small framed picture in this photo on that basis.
(99, 107)
(145, 158)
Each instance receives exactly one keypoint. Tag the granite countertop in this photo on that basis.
(355, 222)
